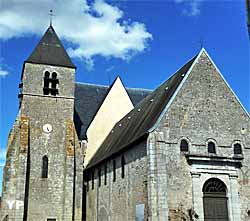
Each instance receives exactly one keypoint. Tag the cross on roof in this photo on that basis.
(51, 16)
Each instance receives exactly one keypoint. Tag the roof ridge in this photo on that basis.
(107, 86)
(92, 84)
(138, 88)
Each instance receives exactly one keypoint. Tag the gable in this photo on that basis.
(115, 106)
(88, 99)
(206, 107)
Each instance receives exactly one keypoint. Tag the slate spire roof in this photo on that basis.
(50, 51)
(138, 122)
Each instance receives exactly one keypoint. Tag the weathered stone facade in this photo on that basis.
(204, 109)
(52, 197)
(141, 171)
(117, 200)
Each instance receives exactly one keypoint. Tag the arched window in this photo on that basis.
(46, 82)
(50, 83)
(184, 146)
(237, 148)
(54, 75)
(214, 185)
(54, 82)
(45, 167)
(123, 167)
(215, 200)
(211, 147)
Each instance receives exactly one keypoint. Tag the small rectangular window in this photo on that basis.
(114, 171)
(105, 175)
(45, 167)
(51, 219)
(100, 177)
(123, 167)
(93, 180)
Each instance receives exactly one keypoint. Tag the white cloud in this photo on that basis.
(190, 7)
(3, 73)
(93, 29)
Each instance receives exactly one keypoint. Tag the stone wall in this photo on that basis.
(205, 109)
(118, 200)
(52, 197)
(10, 173)
(49, 197)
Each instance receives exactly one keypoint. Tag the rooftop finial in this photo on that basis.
(51, 16)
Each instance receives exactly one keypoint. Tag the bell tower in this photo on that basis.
(48, 71)
(45, 174)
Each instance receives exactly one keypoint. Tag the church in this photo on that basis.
(86, 152)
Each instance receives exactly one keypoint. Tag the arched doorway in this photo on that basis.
(215, 200)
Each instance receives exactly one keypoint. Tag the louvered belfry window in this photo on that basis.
(50, 83)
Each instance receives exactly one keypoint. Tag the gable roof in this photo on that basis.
(141, 119)
(88, 99)
(50, 51)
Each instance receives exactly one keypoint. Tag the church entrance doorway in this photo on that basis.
(215, 200)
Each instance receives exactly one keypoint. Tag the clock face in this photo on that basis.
(47, 128)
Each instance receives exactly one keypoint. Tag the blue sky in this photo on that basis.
(142, 41)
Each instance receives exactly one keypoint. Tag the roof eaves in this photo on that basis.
(92, 164)
(55, 65)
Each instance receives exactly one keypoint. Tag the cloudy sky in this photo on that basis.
(142, 41)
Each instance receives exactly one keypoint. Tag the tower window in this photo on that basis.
(45, 167)
(123, 167)
(114, 171)
(184, 146)
(54, 75)
(211, 147)
(54, 82)
(237, 148)
(50, 84)
(46, 83)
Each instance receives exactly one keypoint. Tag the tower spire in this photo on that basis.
(50, 51)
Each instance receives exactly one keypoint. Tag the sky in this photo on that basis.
(142, 41)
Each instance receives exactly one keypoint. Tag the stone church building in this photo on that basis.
(79, 151)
